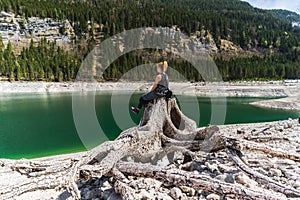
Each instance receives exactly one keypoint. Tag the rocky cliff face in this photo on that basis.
(19, 30)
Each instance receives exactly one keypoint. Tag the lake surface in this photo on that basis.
(35, 125)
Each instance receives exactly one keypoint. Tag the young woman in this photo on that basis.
(159, 89)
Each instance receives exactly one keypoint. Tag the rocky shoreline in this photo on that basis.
(280, 89)
(270, 152)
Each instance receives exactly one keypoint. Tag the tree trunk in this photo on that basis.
(165, 157)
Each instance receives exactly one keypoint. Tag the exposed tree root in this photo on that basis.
(269, 183)
(269, 150)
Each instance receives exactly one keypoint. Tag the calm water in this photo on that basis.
(40, 125)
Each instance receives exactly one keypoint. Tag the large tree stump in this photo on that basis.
(165, 157)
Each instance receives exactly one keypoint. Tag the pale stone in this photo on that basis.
(188, 190)
(176, 193)
(245, 180)
(146, 195)
(275, 172)
(226, 178)
(213, 197)
(212, 167)
(297, 184)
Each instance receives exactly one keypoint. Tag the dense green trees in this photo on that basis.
(234, 20)
(46, 61)
(261, 68)
(286, 15)
(228, 19)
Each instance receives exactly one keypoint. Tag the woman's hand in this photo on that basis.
(155, 84)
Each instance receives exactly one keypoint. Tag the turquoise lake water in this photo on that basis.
(35, 125)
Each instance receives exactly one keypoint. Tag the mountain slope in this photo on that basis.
(267, 40)
(234, 20)
(286, 15)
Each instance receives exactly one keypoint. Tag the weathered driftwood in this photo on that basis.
(163, 131)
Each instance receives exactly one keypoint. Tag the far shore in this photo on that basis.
(288, 92)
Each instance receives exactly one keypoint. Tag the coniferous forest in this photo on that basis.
(273, 39)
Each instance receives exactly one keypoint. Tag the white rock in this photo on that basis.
(213, 197)
(245, 180)
(290, 175)
(196, 172)
(164, 196)
(262, 171)
(111, 179)
(106, 185)
(225, 168)
(212, 167)
(188, 190)
(176, 193)
(145, 195)
(288, 125)
(153, 183)
(292, 182)
(276, 172)
(164, 162)
(290, 162)
(226, 178)
(297, 184)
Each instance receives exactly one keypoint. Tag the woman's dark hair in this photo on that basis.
(160, 66)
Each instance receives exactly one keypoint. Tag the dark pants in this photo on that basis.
(146, 98)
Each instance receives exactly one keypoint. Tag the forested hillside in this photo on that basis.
(286, 15)
(271, 44)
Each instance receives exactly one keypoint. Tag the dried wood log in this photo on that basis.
(244, 144)
(269, 183)
(265, 138)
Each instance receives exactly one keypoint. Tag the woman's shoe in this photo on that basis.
(135, 110)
